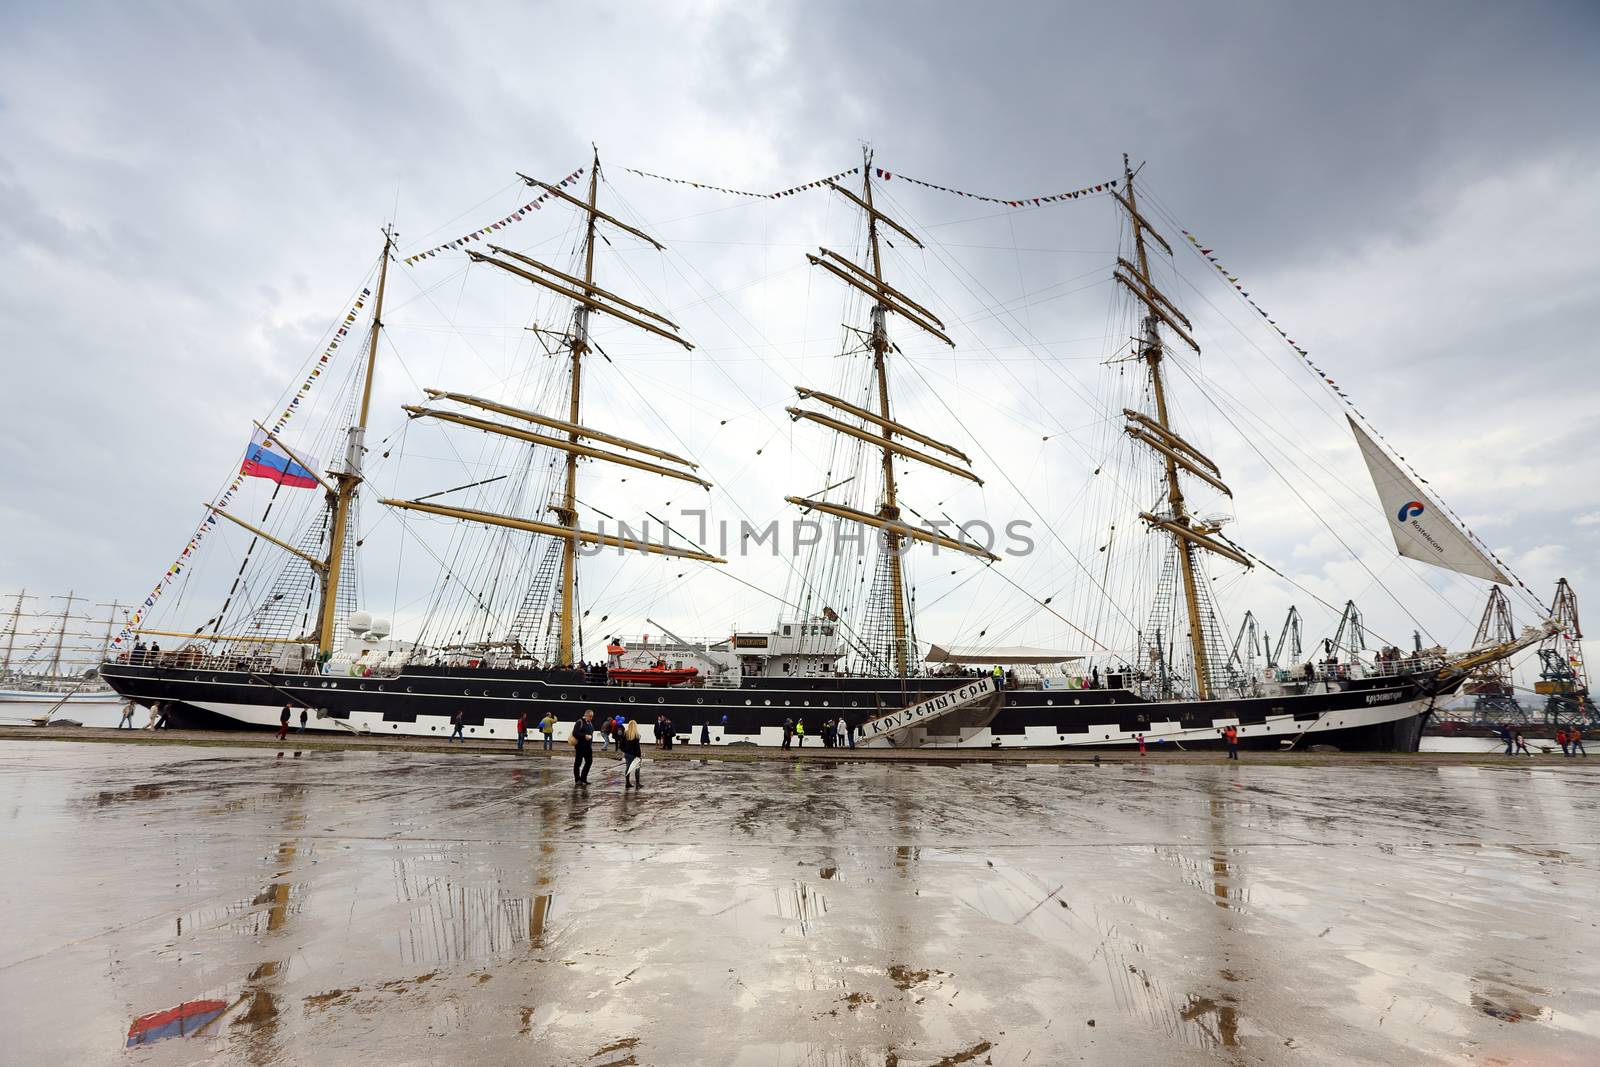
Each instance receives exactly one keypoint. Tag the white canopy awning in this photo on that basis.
(998, 654)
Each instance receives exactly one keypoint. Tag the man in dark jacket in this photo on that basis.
(583, 747)
(457, 722)
(283, 723)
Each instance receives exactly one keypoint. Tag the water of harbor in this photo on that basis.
(254, 906)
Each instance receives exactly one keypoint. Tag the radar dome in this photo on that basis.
(359, 622)
(380, 628)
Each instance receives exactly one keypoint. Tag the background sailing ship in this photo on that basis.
(1110, 629)
(51, 648)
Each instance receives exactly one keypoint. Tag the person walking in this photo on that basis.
(632, 754)
(1140, 739)
(283, 723)
(522, 729)
(1575, 740)
(800, 733)
(1231, 733)
(1505, 735)
(1522, 746)
(850, 733)
(788, 732)
(705, 733)
(606, 729)
(582, 741)
(1561, 739)
(547, 727)
(127, 715)
(458, 722)
(659, 731)
(666, 722)
(304, 715)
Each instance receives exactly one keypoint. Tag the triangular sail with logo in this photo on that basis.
(1420, 527)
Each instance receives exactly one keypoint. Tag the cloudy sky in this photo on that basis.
(190, 195)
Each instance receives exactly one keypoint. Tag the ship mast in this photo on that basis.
(11, 634)
(341, 497)
(1157, 433)
(879, 343)
(61, 632)
(567, 513)
(882, 429)
(576, 438)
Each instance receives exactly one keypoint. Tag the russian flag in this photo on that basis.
(263, 461)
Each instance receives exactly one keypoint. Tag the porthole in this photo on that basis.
(515, 694)
(631, 698)
(853, 704)
(699, 700)
(466, 692)
(1050, 703)
(563, 696)
(394, 726)
(807, 703)
(747, 703)
(661, 700)
(1075, 700)
(767, 702)
(824, 703)
(363, 687)
(408, 689)
(431, 728)
(1108, 737)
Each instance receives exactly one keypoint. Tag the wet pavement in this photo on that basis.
(175, 905)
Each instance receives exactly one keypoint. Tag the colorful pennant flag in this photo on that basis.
(1025, 201)
(477, 235)
(802, 187)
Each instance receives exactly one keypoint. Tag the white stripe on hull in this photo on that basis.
(1284, 727)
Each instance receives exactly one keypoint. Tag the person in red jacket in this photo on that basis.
(1231, 734)
(283, 723)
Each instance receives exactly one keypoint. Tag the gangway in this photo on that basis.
(893, 728)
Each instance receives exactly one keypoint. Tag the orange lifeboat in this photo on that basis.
(656, 674)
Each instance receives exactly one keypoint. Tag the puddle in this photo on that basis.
(188, 1019)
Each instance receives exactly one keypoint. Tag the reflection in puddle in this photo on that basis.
(1501, 998)
(455, 923)
(801, 903)
(186, 1020)
(1219, 1021)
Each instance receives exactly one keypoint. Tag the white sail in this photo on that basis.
(1420, 527)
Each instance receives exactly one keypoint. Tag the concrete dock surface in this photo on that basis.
(328, 901)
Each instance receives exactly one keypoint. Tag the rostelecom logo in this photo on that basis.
(1409, 510)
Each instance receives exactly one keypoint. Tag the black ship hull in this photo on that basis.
(1371, 714)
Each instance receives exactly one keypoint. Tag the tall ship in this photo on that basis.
(50, 654)
(530, 612)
